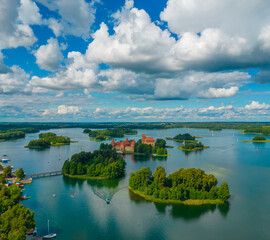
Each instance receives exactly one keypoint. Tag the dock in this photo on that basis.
(46, 174)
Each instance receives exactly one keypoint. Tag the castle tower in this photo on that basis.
(143, 138)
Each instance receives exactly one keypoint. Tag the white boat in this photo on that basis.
(49, 235)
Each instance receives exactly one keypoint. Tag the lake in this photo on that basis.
(245, 166)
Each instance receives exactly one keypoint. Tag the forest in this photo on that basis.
(103, 163)
(181, 185)
(15, 219)
(110, 133)
(192, 146)
(47, 140)
(11, 135)
(183, 137)
(158, 149)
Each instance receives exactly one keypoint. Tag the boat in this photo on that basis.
(71, 195)
(49, 235)
(54, 195)
(108, 200)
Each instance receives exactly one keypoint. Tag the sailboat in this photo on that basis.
(49, 235)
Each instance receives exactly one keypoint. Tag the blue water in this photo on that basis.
(245, 166)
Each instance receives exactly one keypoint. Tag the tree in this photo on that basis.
(65, 168)
(8, 171)
(2, 179)
(20, 173)
(160, 143)
(73, 168)
(160, 177)
(223, 192)
(80, 169)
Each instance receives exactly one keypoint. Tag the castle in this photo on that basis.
(148, 140)
(129, 145)
(124, 145)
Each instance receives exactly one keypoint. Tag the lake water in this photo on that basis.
(245, 166)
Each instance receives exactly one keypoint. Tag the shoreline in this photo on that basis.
(85, 177)
(190, 202)
(260, 141)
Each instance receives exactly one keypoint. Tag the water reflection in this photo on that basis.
(188, 213)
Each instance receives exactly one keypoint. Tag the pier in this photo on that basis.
(46, 174)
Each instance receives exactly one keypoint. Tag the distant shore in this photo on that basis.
(193, 149)
(190, 202)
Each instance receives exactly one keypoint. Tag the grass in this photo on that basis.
(85, 177)
(169, 147)
(170, 201)
(193, 149)
(259, 141)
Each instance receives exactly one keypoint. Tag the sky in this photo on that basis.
(134, 60)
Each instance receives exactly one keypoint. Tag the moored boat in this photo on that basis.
(108, 200)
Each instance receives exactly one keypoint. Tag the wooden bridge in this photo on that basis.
(46, 174)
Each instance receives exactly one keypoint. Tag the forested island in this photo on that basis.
(187, 186)
(47, 140)
(11, 135)
(183, 137)
(15, 219)
(104, 163)
(101, 135)
(192, 146)
(258, 139)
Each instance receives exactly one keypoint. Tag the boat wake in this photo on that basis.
(105, 193)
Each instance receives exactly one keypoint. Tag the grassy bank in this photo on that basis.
(193, 149)
(85, 177)
(259, 141)
(170, 201)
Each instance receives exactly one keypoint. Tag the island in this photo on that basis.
(183, 137)
(104, 163)
(101, 135)
(47, 140)
(258, 139)
(185, 186)
(192, 146)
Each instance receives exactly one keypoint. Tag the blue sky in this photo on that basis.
(125, 60)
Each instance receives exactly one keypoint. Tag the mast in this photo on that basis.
(48, 226)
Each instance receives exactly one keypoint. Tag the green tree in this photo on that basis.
(2, 179)
(65, 168)
(160, 177)
(223, 192)
(20, 173)
(8, 171)
(73, 168)
(80, 169)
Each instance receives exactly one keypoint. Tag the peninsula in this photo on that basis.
(101, 164)
(186, 186)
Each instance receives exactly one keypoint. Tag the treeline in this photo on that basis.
(103, 163)
(263, 128)
(15, 219)
(184, 137)
(192, 146)
(109, 133)
(259, 138)
(12, 135)
(158, 149)
(181, 185)
(47, 140)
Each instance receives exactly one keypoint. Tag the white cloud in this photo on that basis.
(78, 74)
(76, 17)
(49, 56)
(257, 106)
(63, 109)
(29, 13)
(219, 92)
(13, 33)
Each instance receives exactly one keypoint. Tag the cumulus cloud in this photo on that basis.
(63, 109)
(29, 13)
(49, 56)
(13, 33)
(78, 74)
(257, 106)
(76, 17)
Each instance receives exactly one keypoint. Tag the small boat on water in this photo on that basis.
(54, 195)
(108, 200)
(49, 235)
